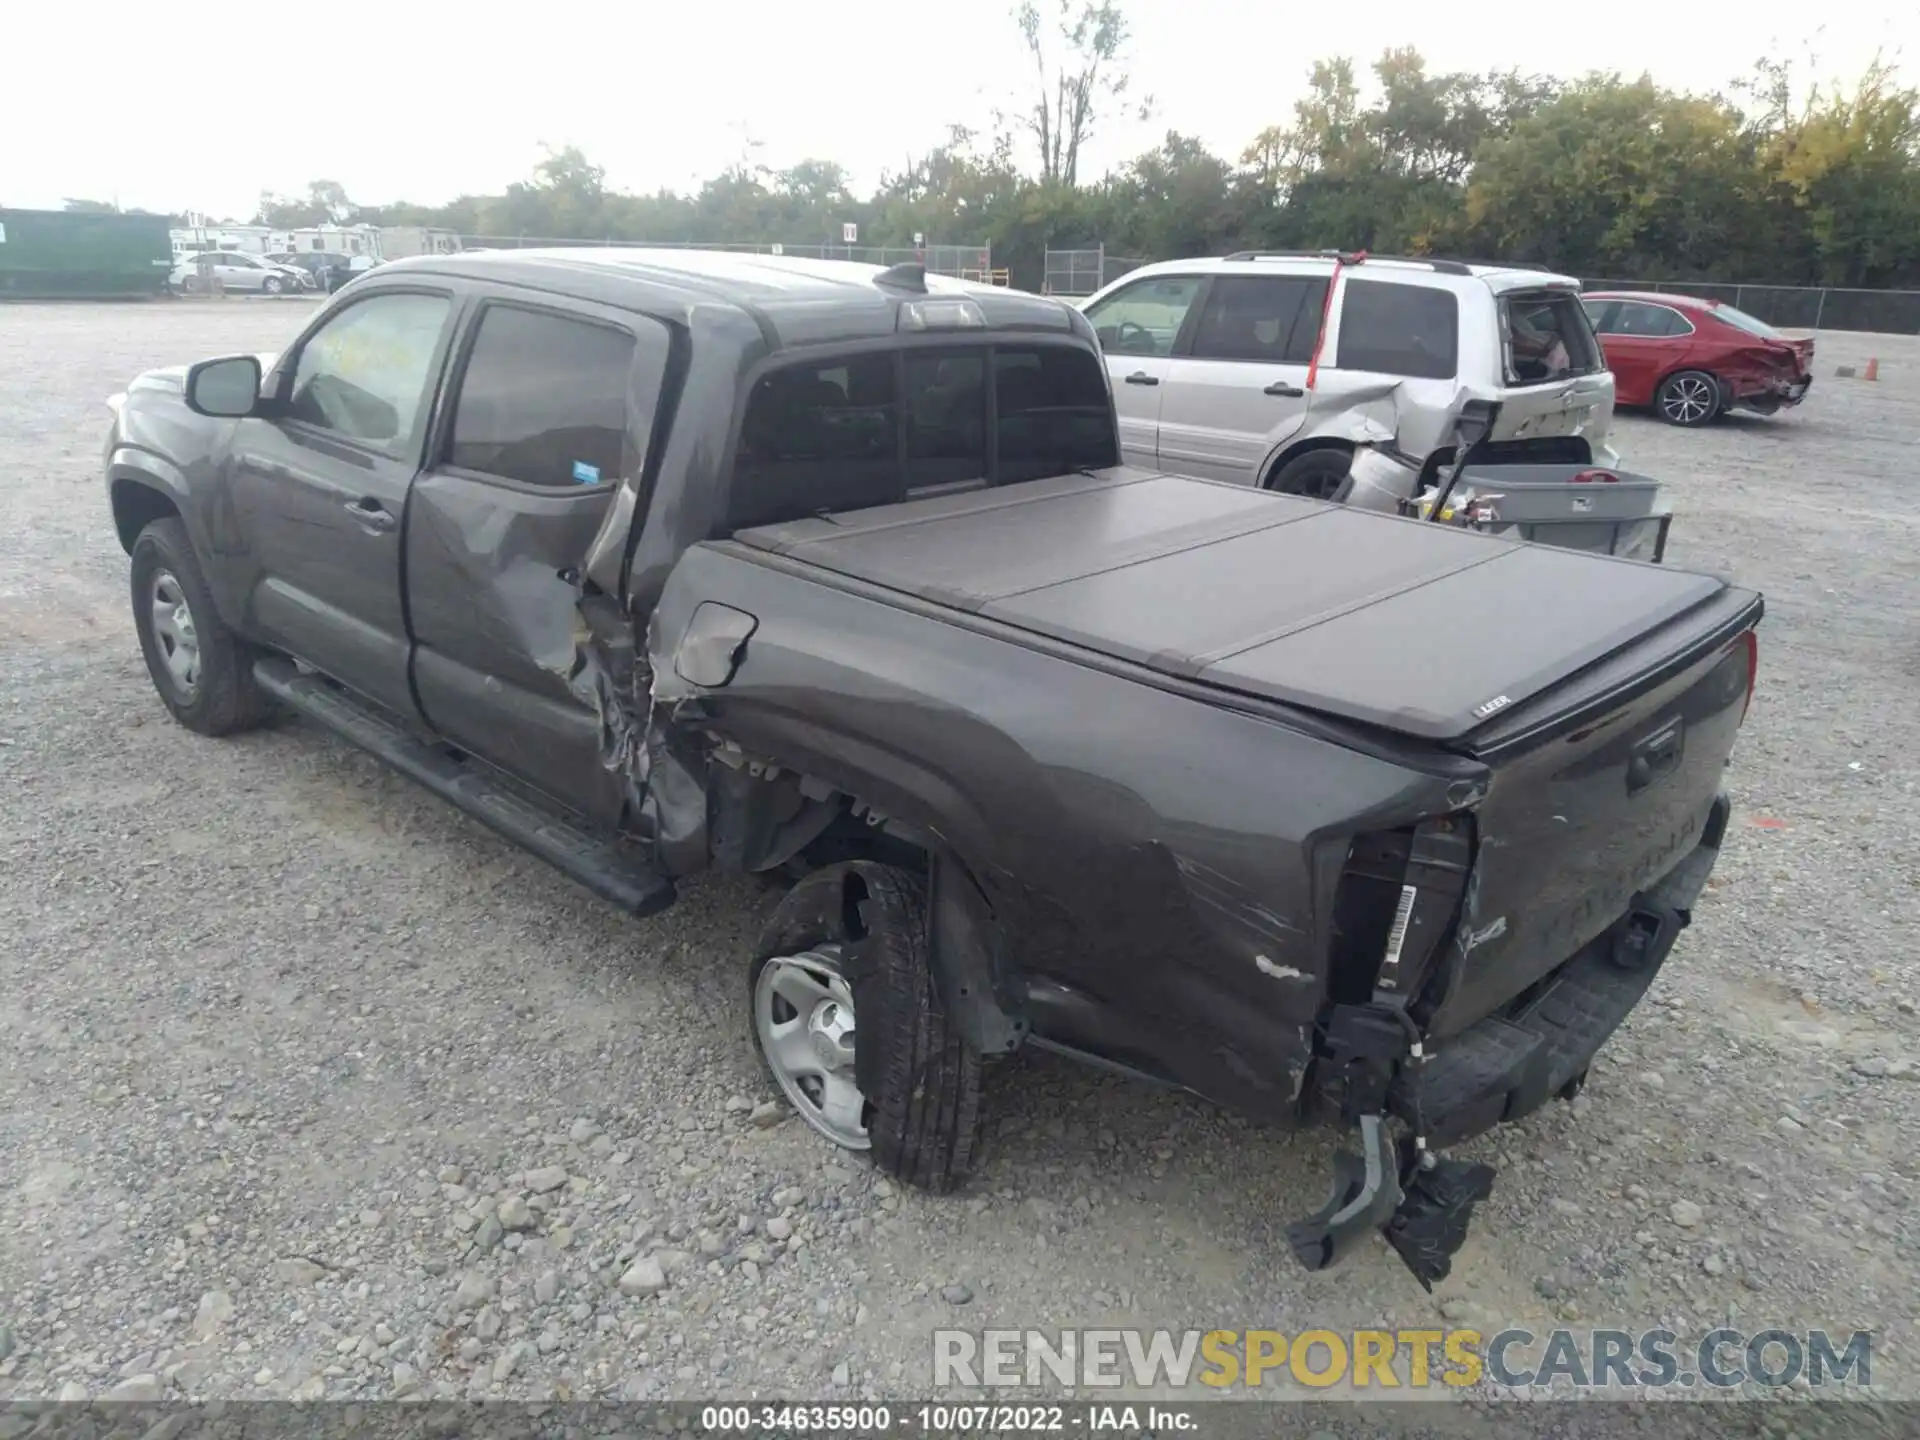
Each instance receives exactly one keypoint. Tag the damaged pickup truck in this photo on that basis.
(654, 562)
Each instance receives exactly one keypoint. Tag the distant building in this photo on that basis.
(347, 240)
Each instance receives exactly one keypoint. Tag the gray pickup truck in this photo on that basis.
(655, 562)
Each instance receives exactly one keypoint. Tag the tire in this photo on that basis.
(918, 1084)
(1689, 398)
(273, 285)
(1316, 475)
(216, 695)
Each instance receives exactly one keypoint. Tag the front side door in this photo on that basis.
(1139, 325)
(549, 408)
(315, 496)
(1237, 389)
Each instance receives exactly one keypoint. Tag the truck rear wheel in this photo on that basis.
(847, 1017)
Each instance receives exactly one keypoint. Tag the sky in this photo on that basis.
(136, 102)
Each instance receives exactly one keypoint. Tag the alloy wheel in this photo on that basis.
(803, 1015)
(174, 633)
(1689, 399)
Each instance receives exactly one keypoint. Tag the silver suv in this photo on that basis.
(1213, 371)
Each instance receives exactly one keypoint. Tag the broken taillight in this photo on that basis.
(1398, 896)
(1752, 642)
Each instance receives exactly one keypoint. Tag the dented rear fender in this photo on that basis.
(1163, 865)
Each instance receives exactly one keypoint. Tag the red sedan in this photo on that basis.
(1693, 360)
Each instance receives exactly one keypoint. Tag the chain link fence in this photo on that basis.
(967, 262)
(1070, 273)
(1796, 307)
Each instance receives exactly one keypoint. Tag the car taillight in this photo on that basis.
(1752, 642)
(1592, 477)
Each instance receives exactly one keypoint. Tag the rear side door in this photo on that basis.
(551, 404)
(1642, 342)
(1236, 390)
(312, 499)
(1139, 326)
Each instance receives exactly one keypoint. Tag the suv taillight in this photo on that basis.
(1752, 642)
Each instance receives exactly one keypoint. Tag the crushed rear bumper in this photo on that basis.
(1508, 1065)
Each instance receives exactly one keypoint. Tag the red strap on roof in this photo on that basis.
(1326, 308)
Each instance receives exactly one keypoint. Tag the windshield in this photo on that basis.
(1743, 321)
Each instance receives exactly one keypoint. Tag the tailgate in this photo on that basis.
(1598, 790)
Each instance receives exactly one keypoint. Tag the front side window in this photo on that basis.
(543, 400)
(878, 428)
(1260, 317)
(364, 375)
(1390, 328)
(1144, 318)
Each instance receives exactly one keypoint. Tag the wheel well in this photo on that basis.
(1304, 447)
(1689, 370)
(136, 506)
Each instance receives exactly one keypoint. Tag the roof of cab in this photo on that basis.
(797, 301)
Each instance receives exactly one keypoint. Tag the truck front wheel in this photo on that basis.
(202, 670)
(848, 1019)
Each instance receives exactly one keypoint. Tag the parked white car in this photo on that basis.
(236, 270)
(1211, 358)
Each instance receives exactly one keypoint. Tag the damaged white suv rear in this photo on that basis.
(1339, 376)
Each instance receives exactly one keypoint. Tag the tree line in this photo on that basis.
(1770, 181)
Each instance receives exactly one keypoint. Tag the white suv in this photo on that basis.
(1213, 373)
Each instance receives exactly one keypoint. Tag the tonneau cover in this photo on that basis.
(1421, 628)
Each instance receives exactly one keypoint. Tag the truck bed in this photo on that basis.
(1394, 623)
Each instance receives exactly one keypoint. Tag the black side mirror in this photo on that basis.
(225, 389)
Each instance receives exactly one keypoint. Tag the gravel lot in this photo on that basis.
(310, 1087)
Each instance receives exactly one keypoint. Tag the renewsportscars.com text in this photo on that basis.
(1400, 1359)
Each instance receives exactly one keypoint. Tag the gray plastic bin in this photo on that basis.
(1544, 504)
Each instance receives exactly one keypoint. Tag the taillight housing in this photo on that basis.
(1751, 641)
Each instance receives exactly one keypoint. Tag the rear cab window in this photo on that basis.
(879, 427)
(1546, 336)
(1392, 327)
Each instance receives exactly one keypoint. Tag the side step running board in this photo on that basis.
(607, 868)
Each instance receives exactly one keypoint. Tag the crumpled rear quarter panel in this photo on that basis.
(1169, 861)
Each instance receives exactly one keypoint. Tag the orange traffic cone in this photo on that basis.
(1873, 369)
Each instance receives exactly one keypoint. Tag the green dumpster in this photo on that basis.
(76, 255)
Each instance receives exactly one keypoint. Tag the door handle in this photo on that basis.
(1281, 387)
(1141, 377)
(371, 513)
